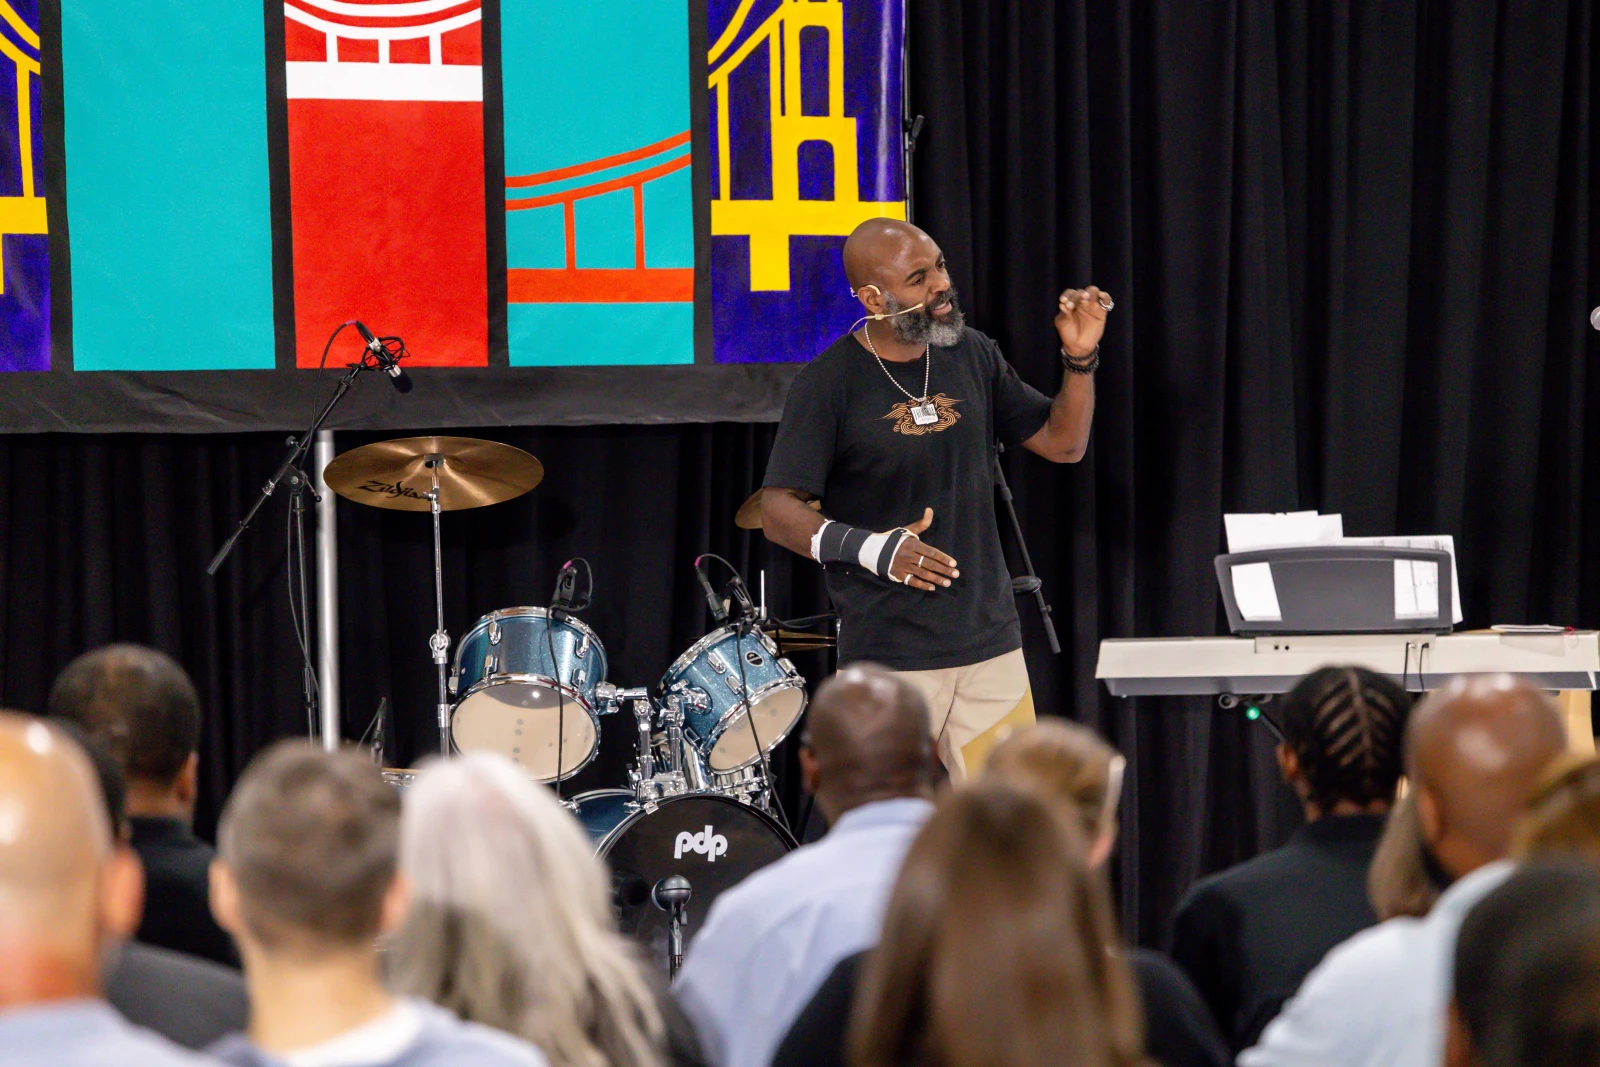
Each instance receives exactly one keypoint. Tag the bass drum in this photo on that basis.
(713, 841)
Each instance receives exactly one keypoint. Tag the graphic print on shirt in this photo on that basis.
(943, 406)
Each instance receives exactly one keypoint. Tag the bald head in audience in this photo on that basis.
(868, 739)
(1474, 751)
(66, 886)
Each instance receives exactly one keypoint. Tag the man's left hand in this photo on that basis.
(1081, 320)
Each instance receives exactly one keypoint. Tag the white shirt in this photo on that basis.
(1379, 999)
(770, 941)
(380, 1041)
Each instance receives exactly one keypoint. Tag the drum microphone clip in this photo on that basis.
(565, 601)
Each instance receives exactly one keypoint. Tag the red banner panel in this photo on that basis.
(386, 176)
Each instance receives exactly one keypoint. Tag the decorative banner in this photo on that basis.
(24, 251)
(168, 190)
(386, 174)
(806, 145)
(599, 208)
(624, 210)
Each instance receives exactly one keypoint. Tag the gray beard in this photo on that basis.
(920, 327)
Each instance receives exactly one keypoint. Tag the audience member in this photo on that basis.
(1403, 878)
(306, 880)
(994, 948)
(1563, 816)
(1474, 752)
(186, 999)
(1527, 973)
(141, 705)
(768, 943)
(511, 922)
(1071, 769)
(1249, 935)
(68, 891)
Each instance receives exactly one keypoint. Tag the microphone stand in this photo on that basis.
(1027, 582)
(300, 483)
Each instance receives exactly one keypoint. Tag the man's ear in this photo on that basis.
(1430, 818)
(225, 898)
(871, 298)
(809, 776)
(1288, 763)
(121, 893)
(396, 903)
(1458, 1048)
(187, 785)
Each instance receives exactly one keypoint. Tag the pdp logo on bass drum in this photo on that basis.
(707, 843)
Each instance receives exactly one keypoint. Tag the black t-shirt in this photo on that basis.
(848, 437)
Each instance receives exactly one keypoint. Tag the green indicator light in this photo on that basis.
(1252, 712)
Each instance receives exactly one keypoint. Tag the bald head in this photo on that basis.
(877, 245)
(1474, 751)
(868, 739)
(54, 831)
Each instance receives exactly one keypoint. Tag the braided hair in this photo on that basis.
(1346, 725)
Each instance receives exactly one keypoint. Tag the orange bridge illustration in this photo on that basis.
(573, 284)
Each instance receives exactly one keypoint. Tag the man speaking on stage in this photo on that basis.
(892, 428)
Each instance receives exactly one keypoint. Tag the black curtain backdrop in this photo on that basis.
(1349, 245)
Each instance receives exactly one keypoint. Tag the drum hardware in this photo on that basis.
(671, 895)
(434, 474)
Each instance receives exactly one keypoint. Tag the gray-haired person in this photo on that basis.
(306, 880)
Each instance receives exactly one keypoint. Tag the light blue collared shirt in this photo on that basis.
(768, 943)
(85, 1033)
(1379, 999)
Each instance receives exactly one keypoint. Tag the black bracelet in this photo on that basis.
(1085, 366)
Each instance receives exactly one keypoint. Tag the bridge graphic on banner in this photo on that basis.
(24, 214)
(384, 51)
(630, 170)
(771, 223)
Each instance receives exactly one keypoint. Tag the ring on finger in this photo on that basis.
(919, 561)
(1106, 303)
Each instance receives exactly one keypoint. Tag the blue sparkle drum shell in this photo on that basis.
(519, 700)
(711, 691)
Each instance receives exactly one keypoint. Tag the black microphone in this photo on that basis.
(1594, 318)
(388, 363)
(714, 602)
(671, 893)
(740, 595)
(562, 600)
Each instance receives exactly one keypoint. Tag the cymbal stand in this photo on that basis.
(1027, 582)
(299, 485)
(439, 643)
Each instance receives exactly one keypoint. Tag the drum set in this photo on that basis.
(698, 813)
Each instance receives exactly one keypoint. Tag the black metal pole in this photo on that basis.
(1027, 582)
(297, 450)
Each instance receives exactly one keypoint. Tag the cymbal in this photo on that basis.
(749, 514)
(394, 474)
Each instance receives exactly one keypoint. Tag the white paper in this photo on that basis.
(1416, 589)
(1247, 532)
(1440, 541)
(1254, 592)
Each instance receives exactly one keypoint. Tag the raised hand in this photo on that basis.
(1081, 320)
(919, 565)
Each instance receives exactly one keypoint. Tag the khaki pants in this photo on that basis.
(972, 707)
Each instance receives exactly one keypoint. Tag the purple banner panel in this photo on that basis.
(805, 112)
(24, 253)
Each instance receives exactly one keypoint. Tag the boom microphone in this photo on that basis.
(387, 362)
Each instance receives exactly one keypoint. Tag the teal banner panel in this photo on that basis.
(168, 202)
(599, 206)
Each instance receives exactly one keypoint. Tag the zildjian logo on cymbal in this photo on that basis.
(388, 489)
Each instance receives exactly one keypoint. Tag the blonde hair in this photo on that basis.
(511, 924)
(1563, 815)
(1398, 882)
(1068, 764)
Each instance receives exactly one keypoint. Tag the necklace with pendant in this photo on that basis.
(922, 409)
